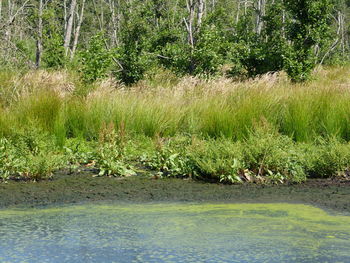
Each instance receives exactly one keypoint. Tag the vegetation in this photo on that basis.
(127, 39)
(266, 130)
(213, 89)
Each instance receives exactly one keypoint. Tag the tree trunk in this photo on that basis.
(9, 22)
(77, 30)
(260, 16)
(200, 14)
(189, 23)
(65, 15)
(68, 33)
(0, 10)
(39, 45)
(115, 21)
(238, 11)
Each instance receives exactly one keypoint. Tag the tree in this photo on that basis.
(69, 26)
(39, 41)
(308, 26)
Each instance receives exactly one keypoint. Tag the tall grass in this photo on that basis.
(214, 129)
(209, 108)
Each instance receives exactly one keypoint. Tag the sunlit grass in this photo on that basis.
(215, 129)
(214, 108)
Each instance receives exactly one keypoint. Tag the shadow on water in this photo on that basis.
(172, 232)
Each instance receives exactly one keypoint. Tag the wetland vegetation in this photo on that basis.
(220, 91)
(263, 130)
(179, 128)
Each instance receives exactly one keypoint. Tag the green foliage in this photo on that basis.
(96, 60)
(308, 26)
(218, 160)
(170, 158)
(264, 157)
(53, 55)
(140, 35)
(10, 162)
(176, 56)
(133, 55)
(264, 130)
(110, 157)
(208, 54)
(275, 156)
(245, 50)
(78, 152)
(28, 156)
(292, 30)
(328, 157)
(205, 58)
(299, 64)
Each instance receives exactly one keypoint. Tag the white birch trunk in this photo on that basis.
(77, 30)
(39, 46)
(68, 33)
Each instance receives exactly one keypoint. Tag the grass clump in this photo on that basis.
(216, 160)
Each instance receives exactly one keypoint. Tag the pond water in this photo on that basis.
(174, 233)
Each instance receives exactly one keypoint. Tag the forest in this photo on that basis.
(226, 91)
(129, 39)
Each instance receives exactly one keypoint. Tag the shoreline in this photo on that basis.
(329, 194)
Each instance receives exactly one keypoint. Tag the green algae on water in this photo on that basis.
(175, 233)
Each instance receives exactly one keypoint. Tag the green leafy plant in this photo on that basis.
(96, 60)
(233, 177)
(269, 154)
(10, 162)
(170, 158)
(110, 157)
(327, 157)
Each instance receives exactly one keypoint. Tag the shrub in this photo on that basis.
(28, 156)
(10, 162)
(327, 158)
(267, 153)
(110, 156)
(169, 158)
(218, 160)
(96, 60)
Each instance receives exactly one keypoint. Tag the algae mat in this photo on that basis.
(174, 233)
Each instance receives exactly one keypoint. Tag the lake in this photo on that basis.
(174, 232)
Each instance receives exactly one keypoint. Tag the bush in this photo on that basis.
(169, 158)
(10, 162)
(327, 158)
(109, 156)
(267, 153)
(218, 160)
(264, 157)
(96, 60)
(28, 156)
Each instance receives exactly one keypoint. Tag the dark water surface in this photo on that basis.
(174, 233)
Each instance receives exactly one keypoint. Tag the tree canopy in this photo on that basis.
(127, 38)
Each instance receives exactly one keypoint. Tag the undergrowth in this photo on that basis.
(266, 130)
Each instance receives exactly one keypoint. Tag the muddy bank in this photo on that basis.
(69, 189)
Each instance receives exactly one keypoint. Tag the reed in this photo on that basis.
(265, 129)
(209, 108)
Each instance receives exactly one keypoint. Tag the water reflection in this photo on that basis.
(175, 233)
